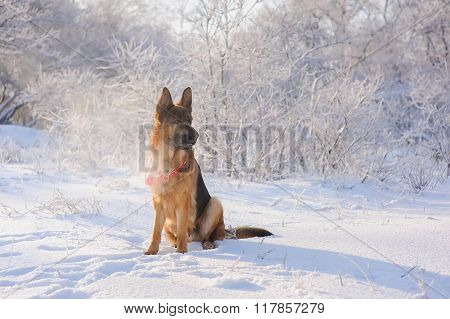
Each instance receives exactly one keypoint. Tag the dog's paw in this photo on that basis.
(208, 245)
(152, 250)
(182, 250)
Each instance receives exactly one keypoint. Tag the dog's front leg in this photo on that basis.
(158, 224)
(182, 221)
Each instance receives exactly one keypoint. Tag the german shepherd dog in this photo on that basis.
(182, 204)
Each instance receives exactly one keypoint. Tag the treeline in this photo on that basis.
(346, 87)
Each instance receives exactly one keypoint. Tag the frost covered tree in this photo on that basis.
(328, 87)
(20, 40)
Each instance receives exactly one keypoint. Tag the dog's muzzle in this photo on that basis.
(185, 137)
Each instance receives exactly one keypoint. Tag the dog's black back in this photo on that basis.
(203, 196)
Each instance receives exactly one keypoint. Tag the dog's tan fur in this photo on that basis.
(174, 201)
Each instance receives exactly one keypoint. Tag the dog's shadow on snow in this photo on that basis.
(373, 272)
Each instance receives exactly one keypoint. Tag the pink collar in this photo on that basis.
(164, 178)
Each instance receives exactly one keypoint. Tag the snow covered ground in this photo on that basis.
(82, 236)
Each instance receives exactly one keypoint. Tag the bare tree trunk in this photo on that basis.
(8, 108)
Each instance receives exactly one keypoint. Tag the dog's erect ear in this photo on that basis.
(165, 100)
(186, 99)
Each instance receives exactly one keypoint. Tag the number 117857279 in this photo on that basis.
(290, 307)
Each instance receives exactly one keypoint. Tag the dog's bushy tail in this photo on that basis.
(246, 232)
